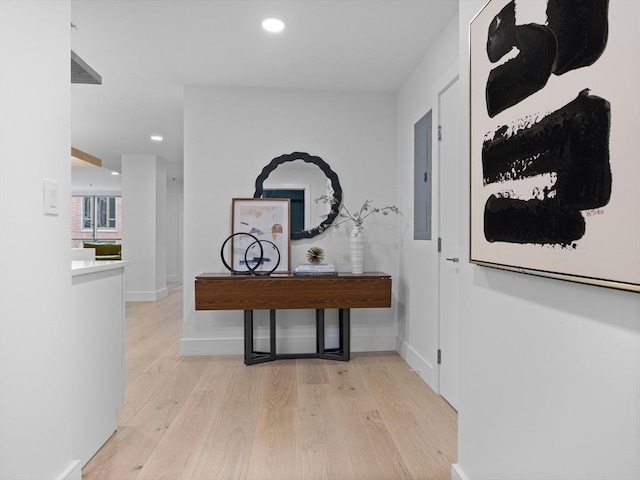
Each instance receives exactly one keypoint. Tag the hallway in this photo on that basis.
(214, 418)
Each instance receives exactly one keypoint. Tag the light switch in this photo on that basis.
(50, 197)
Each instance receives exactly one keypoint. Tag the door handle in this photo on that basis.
(454, 260)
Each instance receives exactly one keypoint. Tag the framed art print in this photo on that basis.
(267, 247)
(555, 139)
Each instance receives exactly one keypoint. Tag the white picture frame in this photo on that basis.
(268, 221)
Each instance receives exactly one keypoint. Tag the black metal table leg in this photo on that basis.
(320, 332)
(345, 326)
(344, 344)
(252, 357)
(272, 333)
(342, 353)
(248, 336)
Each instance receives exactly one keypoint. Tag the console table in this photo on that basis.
(225, 291)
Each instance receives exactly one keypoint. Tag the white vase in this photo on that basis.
(357, 250)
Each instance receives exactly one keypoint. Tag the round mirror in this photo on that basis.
(302, 178)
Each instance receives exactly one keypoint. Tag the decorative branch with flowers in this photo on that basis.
(358, 218)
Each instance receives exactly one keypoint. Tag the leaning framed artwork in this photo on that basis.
(266, 247)
(555, 139)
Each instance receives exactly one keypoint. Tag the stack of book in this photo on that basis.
(315, 269)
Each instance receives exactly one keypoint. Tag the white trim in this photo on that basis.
(431, 373)
(72, 472)
(235, 345)
(457, 473)
(445, 82)
(146, 296)
(173, 278)
(417, 362)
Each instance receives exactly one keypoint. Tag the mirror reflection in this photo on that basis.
(301, 178)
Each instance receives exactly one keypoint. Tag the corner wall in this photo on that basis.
(549, 370)
(144, 226)
(230, 135)
(175, 194)
(36, 373)
(418, 276)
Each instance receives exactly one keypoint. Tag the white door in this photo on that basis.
(449, 234)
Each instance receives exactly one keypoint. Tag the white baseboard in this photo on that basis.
(235, 346)
(425, 369)
(456, 473)
(173, 278)
(145, 296)
(72, 472)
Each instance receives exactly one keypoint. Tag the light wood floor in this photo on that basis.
(214, 418)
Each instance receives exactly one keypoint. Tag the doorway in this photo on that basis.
(449, 238)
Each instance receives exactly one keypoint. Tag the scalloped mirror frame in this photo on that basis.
(326, 169)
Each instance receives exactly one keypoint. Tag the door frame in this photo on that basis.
(440, 86)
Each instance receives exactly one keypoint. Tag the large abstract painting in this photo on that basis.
(555, 139)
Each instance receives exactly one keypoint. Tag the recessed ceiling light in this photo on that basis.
(273, 25)
(156, 138)
(113, 172)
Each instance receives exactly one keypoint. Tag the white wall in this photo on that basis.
(161, 229)
(35, 278)
(418, 279)
(550, 370)
(230, 135)
(174, 233)
(144, 230)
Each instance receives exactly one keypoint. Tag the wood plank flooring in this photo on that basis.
(211, 418)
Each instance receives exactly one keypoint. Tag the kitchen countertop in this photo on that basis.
(84, 267)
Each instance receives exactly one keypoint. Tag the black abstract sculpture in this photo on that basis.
(248, 261)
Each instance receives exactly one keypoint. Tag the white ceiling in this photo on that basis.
(147, 50)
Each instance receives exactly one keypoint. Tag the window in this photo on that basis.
(106, 213)
(100, 211)
(95, 218)
(87, 213)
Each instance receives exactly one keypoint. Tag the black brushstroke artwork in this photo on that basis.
(531, 221)
(502, 33)
(571, 143)
(522, 76)
(581, 28)
(575, 36)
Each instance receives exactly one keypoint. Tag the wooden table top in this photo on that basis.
(229, 275)
(225, 291)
